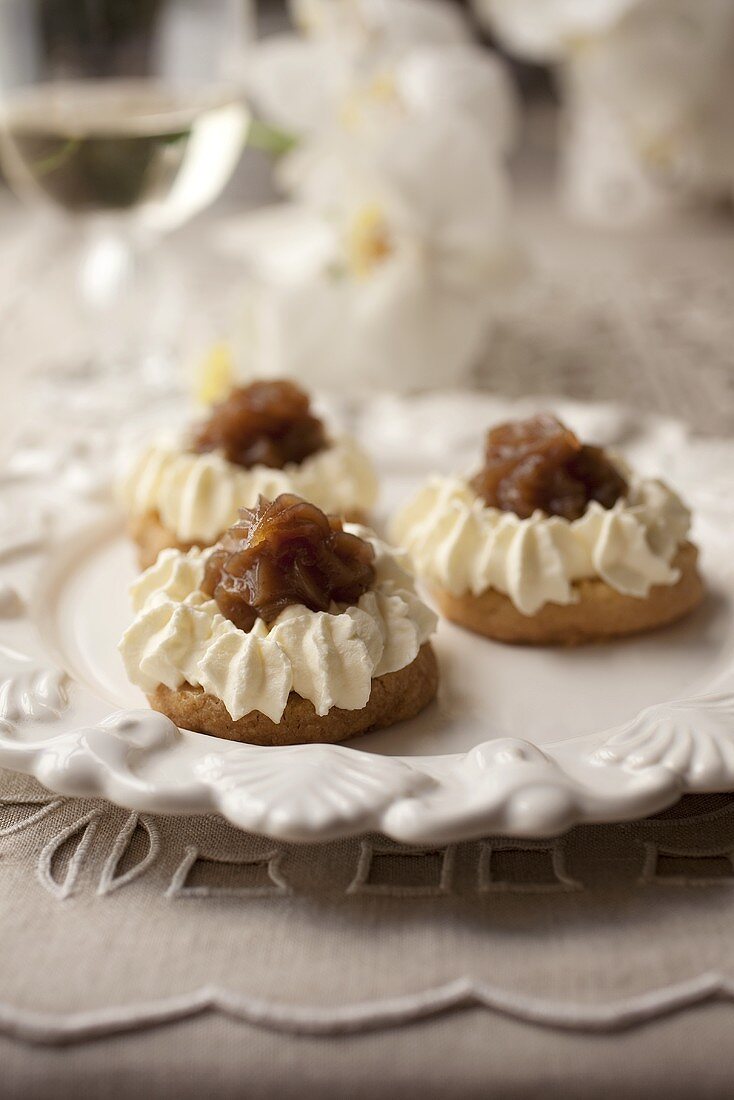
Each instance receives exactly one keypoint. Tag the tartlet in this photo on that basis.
(294, 628)
(551, 542)
(184, 491)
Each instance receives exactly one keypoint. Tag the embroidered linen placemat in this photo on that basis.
(119, 925)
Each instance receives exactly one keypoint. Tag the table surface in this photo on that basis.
(171, 956)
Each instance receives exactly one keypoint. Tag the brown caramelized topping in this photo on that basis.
(540, 464)
(287, 552)
(263, 424)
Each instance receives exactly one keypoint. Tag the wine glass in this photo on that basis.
(129, 117)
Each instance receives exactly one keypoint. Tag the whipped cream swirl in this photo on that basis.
(197, 496)
(458, 543)
(179, 636)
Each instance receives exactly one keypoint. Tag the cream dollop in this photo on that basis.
(197, 496)
(457, 543)
(179, 635)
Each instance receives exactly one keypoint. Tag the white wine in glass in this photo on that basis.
(128, 116)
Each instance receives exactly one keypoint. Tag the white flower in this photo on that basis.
(315, 91)
(297, 84)
(386, 27)
(647, 86)
(461, 81)
(544, 30)
(667, 74)
(319, 91)
(346, 52)
(389, 282)
(384, 274)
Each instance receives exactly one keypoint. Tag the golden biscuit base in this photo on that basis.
(394, 698)
(600, 613)
(152, 535)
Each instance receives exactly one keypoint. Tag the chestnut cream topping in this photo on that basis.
(283, 553)
(539, 465)
(268, 423)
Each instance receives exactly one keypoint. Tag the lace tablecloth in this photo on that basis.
(171, 957)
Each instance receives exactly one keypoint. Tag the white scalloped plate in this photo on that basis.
(520, 741)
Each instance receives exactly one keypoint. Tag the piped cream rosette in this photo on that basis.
(330, 658)
(197, 496)
(459, 544)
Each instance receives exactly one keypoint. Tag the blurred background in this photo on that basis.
(529, 196)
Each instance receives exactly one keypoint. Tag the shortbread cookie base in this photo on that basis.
(600, 613)
(152, 535)
(394, 697)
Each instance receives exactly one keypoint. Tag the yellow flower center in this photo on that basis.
(378, 92)
(368, 240)
(215, 375)
(659, 150)
(308, 17)
(579, 44)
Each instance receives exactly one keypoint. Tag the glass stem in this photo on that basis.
(127, 300)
